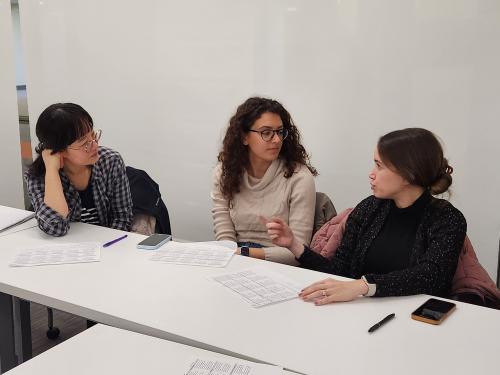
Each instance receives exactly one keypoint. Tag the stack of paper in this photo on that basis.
(79, 252)
(10, 217)
(208, 254)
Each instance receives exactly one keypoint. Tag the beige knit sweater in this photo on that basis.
(292, 199)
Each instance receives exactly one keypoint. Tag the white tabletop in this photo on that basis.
(107, 350)
(179, 303)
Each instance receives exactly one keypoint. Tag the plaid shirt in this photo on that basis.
(111, 196)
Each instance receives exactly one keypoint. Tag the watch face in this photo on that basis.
(245, 251)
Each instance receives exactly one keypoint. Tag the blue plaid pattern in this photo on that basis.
(111, 196)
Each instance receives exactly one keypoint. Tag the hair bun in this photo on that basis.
(443, 181)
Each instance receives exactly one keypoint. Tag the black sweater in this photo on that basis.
(432, 260)
(391, 249)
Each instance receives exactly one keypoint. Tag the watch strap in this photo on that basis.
(372, 288)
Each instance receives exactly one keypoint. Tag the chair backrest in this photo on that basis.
(147, 200)
(498, 266)
(323, 211)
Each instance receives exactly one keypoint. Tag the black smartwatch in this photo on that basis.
(245, 251)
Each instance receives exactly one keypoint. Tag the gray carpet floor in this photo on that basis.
(68, 324)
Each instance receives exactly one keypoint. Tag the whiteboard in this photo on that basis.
(162, 79)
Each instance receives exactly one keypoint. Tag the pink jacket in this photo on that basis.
(470, 276)
(328, 238)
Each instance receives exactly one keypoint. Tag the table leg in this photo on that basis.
(8, 358)
(22, 329)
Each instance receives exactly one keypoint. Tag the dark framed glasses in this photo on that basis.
(268, 134)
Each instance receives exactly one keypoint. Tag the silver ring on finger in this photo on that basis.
(323, 291)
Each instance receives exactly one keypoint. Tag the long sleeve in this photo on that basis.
(434, 270)
(49, 221)
(121, 200)
(223, 225)
(340, 264)
(434, 257)
(300, 219)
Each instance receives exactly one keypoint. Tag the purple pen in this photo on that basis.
(114, 241)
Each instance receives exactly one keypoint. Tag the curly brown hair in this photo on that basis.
(234, 154)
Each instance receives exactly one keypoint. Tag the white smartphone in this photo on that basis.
(154, 241)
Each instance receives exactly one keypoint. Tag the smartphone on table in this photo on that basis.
(433, 311)
(154, 241)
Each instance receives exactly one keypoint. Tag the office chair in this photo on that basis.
(146, 200)
(323, 211)
(498, 266)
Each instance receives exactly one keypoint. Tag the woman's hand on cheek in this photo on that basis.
(52, 161)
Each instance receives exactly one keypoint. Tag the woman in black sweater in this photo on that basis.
(399, 241)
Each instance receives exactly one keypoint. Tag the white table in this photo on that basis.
(179, 303)
(107, 350)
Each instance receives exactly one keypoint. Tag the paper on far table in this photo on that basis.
(259, 287)
(78, 252)
(229, 367)
(10, 217)
(208, 254)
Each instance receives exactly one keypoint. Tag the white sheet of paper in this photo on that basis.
(215, 366)
(208, 254)
(10, 216)
(258, 286)
(78, 252)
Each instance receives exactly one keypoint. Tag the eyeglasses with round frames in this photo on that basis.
(96, 135)
(268, 134)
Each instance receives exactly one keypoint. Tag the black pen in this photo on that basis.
(381, 323)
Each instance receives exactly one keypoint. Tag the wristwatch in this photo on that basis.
(245, 251)
(372, 288)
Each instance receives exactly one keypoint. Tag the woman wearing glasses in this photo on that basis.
(74, 179)
(263, 171)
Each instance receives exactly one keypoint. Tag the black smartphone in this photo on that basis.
(154, 241)
(433, 311)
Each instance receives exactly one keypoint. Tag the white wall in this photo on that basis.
(11, 191)
(18, 51)
(163, 77)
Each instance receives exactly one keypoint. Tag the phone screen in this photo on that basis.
(154, 239)
(434, 309)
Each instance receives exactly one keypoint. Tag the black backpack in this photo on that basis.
(146, 198)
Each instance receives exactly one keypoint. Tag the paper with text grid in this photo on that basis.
(207, 254)
(229, 367)
(78, 252)
(259, 287)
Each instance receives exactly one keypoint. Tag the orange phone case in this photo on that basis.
(432, 321)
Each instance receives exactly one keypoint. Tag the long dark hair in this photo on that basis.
(58, 126)
(416, 155)
(234, 154)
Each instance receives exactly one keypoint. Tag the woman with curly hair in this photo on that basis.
(263, 171)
